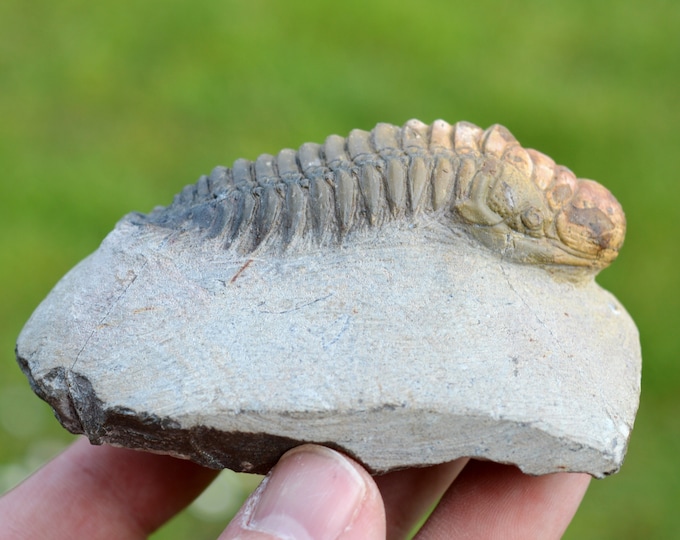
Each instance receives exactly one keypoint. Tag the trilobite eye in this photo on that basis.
(532, 219)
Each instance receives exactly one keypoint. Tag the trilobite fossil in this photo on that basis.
(516, 201)
(384, 293)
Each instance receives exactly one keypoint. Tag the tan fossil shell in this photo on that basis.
(517, 202)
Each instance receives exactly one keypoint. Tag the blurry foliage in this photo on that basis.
(112, 107)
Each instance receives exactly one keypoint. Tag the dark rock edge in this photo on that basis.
(80, 411)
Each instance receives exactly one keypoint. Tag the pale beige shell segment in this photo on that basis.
(441, 135)
(466, 138)
(544, 169)
(562, 188)
(415, 135)
(519, 158)
(496, 140)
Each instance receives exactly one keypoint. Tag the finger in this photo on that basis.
(312, 493)
(408, 494)
(489, 500)
(102, 492)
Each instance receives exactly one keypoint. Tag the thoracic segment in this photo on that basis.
(515, 201)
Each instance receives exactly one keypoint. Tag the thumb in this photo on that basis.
(313, 493)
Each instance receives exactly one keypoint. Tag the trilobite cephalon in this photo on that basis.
(516, 201)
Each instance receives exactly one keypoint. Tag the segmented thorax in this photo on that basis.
(515, 201)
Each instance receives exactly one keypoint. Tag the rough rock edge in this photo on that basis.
(80, 411)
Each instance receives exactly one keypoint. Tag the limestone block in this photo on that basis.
(241, 321)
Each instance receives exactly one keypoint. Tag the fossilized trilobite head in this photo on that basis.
(540, 211)
(591, 223)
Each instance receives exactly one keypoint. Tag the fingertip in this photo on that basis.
(312, 493)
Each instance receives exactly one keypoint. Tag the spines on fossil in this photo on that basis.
(513, 200)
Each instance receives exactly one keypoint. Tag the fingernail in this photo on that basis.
(312, 493)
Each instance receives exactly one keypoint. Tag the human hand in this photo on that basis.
(313, 493)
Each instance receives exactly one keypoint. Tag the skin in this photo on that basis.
(105, 492)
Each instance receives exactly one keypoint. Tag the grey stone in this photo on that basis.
(413, 340)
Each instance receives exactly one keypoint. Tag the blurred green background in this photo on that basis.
(107, 107)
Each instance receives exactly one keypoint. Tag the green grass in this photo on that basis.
(112, 107)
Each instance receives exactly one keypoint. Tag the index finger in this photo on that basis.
(490, 500)
(101, 492)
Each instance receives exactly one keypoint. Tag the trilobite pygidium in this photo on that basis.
(516, 201)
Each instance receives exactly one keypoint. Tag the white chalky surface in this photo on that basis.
(401, 350)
